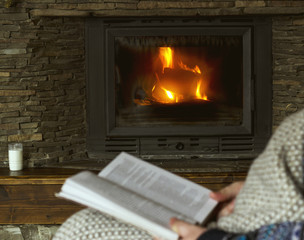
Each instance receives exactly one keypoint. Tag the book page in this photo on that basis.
(170, 190)
(88, 189)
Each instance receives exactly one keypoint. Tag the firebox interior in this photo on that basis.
(178, 80)
(168, 80)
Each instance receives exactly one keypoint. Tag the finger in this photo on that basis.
(185, 230)
(227, 193)
(227, 210)
(174, 224)
(180, 227)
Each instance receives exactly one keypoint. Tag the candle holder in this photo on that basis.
(15, 156)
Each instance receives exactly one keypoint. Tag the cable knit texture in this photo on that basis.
(92, 224)
(273, 191)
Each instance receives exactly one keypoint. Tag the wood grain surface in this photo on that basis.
(28, 196)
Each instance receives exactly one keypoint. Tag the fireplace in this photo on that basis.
(179, 87)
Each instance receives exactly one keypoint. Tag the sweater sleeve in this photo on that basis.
(281, 231)
(213, 234)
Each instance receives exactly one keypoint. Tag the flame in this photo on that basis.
(169, 94)
(198, 92)
(162, 94)
(196, 69)
(166, 57)
(175, 85)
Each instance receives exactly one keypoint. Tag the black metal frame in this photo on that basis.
(257, 90)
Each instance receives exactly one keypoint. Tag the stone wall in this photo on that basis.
(42, 91)
(42, 65)
(288, 66)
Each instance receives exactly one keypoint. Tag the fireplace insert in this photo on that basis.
(179, 87)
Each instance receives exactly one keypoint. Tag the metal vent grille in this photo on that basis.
(236, 144)
(185, 146)
(116, 145)
(173, 145)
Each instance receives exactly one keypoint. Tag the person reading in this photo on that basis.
(268, 205)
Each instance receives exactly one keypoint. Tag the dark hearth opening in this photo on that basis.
(184, 80)
(179, 87)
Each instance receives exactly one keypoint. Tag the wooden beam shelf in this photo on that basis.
(28, 196)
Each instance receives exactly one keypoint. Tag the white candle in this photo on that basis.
(15, 156)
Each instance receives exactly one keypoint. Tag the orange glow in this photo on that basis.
(169, 94)
(198, 91)
(196, 69)
(166, 57)
(175, 82)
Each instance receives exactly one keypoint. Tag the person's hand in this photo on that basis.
(227, 196)
(186, 231)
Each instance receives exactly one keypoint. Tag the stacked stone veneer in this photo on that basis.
(42, 65)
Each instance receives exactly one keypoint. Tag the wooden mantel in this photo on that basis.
(28, 196)
(133, 8)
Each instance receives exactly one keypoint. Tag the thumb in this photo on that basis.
(178, 226)
(186, 231)
(182, 228)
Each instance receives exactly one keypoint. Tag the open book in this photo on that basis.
(140, 193)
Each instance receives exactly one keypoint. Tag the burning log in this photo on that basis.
(180, 81)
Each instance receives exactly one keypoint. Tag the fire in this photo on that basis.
(198, 92)
(166, 57)
(176, 82)
(196, 69)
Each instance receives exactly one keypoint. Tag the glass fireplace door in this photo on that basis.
(183, 81)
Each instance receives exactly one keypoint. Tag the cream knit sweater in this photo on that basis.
(273, 191)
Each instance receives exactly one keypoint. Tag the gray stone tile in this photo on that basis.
(10, 232)
(27, 232)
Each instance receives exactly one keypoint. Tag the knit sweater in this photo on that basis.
(273, 191)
